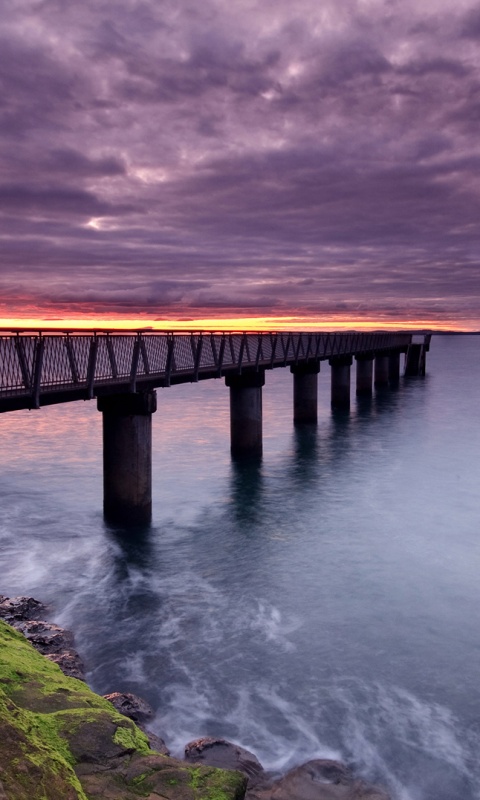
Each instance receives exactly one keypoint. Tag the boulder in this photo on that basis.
(60, 741)
(13, 609)
(320, 779)
(46, 637)
(136, 708)
(155, 742)
(131, 706)
(70, 663)
(225, 755)
(24, 614)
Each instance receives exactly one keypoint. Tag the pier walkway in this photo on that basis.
(40, 369)
(123, 369)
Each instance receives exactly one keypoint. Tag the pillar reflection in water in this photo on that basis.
(305, 454)
(247, 489)
(132, 547)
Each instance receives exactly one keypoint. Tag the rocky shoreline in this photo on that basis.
(319, 779)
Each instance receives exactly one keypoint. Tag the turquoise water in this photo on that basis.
(321, 603)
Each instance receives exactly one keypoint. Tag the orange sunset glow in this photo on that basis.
(237, 323)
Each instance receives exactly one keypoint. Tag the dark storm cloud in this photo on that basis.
(471, 23)
(56, 199)
(160, 155)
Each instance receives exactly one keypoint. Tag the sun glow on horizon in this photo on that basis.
(238, 323)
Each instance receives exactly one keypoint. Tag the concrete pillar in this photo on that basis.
(127, 456)
(305, 392)
(340, 395)
(415, 360)
(246, 413)
(364, 374)
(381, 370)
(394, 368)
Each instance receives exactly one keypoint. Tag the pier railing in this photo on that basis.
(37, 369)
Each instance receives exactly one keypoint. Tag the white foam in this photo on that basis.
(274, 625)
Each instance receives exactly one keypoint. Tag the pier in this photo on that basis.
(123, 370)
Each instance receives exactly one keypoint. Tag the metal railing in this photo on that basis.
(57, 367)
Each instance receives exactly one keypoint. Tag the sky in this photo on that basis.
(307, 163)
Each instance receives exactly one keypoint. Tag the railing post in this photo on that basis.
(20, 348)
(92, 364)
(37, 371)
(111, 356)
(71, 358)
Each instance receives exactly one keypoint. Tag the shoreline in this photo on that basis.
(314, 780)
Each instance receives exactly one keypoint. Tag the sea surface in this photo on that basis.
(322, 603)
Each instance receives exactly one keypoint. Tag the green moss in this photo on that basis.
(141, 778)
(35, 682)
(60, 741)
(46, 730)
(216, 784)
(35, 762)
(131, 738)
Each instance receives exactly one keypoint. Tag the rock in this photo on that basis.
(225, 755)
(61, 741)
(320, 779)
(136, 708)
(13, 609)
(155, 742)
(70, 663)
(46, 637)
(23, 613)
(130, 705)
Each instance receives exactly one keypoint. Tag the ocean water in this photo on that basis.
(322, 603)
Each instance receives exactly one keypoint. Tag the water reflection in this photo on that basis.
(364, 405)
(246, 489)
(304, 454)
(297, 605)
(317, 454)
(132, 546)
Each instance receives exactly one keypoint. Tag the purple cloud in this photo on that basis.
(158, 157)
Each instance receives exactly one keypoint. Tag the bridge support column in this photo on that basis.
(415, 360)
(381, 370)
(246, 413)
(305, 392)
(340, 391)
(364, 374)
(394, 368)
(127, 456)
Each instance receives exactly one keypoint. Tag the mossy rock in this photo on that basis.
(61, 741)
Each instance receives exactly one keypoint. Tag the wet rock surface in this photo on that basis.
(46, 637)
(319, 779)
(26, 615)
(131, 706)
(155, 742)
(69, 662)
(61, 741)
(137, 709)
(16, 609)
(226, 755)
